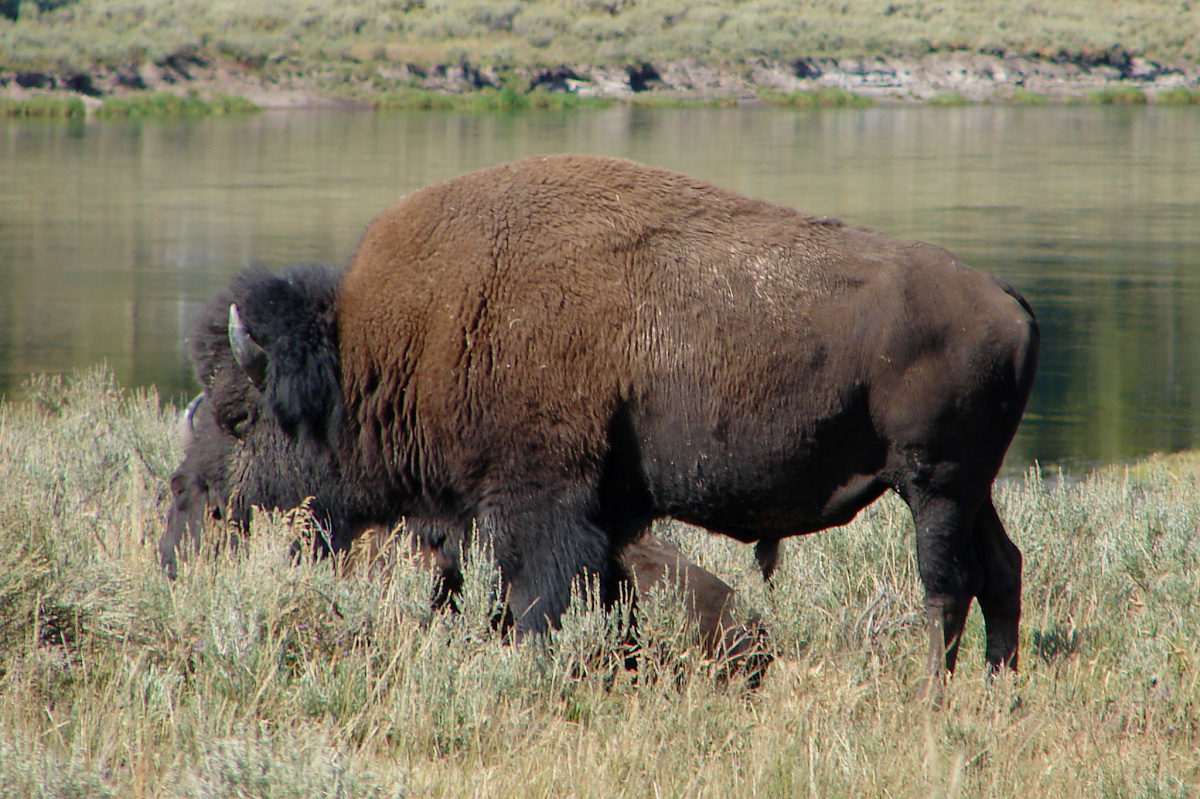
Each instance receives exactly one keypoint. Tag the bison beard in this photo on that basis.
(559, 350)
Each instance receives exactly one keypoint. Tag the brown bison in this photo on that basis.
(559, 350)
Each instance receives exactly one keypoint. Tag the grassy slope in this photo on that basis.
(303, 36)
(252, 677)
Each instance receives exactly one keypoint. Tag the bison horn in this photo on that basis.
(187, 427)
(246, 351)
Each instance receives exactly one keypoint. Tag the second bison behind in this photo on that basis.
(559, 350)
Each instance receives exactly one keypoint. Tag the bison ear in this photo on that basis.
(246, 351)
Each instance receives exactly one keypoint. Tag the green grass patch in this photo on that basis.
(505, 99)
(1178, 95)
(167, 104)
(825, 97)
(42, 106)
(1118, 95)
(1183, 466)
(415, 100)
(1027, 97)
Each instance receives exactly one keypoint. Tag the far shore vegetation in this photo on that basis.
(255, 675)
(149, 104)
(279, 36)
(134, 105)
(370, 51)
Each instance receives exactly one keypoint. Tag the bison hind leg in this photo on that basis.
(963, 553)
(1000, 594)
(948, 568)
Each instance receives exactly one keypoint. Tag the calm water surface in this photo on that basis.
(112, 234)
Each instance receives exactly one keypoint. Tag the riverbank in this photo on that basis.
(953, 77)
(292, 53)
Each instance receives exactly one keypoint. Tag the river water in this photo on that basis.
(113, 234)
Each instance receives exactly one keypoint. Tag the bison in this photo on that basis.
(558, 351)
(222, 478)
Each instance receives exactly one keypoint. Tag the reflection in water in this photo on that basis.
(112, 234)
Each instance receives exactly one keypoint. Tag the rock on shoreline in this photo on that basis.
(975, 77)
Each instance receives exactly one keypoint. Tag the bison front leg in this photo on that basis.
(542, 542)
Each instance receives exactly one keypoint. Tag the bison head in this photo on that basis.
(264, 432)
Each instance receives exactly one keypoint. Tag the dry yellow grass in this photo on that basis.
(250, 676)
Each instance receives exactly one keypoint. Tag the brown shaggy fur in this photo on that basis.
(563, 348)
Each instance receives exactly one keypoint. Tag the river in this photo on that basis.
(114, 233)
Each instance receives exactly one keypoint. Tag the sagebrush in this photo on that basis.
(256, 675)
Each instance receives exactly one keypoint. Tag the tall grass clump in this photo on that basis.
(1118, 95)
(824, 97)
(1178, 95)
(258, 674)
(1027, 97)
(42, 106)
(651, 100)
(504, 99)
(168, 104)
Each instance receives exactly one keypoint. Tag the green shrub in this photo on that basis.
(601, 29)
(1178, 95)
(42, 106)
(495, 15)
(541, 26)
(167, 104)
(251, 675)
(415, 100)
(830, 97)
(508, 98)
(1027, 97)
(1118, 95)
(651, 100)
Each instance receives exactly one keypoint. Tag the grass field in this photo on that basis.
(252, 677)
(356, 36)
